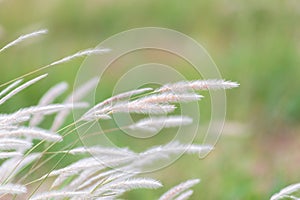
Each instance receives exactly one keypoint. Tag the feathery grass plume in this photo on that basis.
(79, 182)
(90, 114)
(122, 96)
(21, 87)
(105, 185)
(171, 98)
(119, 183)
(48, 98)
(25, 114)
(12, 189)
(97, 150)
(33, 132)
(142, 108)
(89, 178)
(177, 190)
(53, 93)
(154, 124)
(77, 94)
(95, 116)
(9, 121)
(91, 166)
(10, 154)
(104, 177)
(136, 183)
(129, 107)
(14, 143)
(76, 167)
(185, 86)
(83, 165)
(13, 166)
(287, 192)
(174, 148)
(116, 188)
(91, 163)
(91, 175)
(185, 195)
(86, 52)
(24, 37)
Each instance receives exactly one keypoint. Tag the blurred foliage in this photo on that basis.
(256, 43)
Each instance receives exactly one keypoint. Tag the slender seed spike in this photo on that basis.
(24, 37)
(82, 53)
(21, 87)
(8, 88)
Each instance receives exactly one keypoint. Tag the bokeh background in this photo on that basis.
(256, 43)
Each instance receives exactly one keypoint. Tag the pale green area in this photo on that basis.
(253, 42)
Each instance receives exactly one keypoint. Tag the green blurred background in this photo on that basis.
(256, 43)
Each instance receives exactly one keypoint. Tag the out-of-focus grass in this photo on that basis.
(253, 42)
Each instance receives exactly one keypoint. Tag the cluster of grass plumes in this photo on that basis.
(110, 172)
